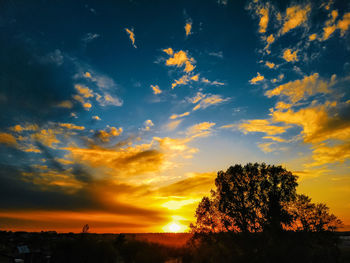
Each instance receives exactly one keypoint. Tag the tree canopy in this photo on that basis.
(259, 197)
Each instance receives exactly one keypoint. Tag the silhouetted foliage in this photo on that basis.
(312, 217)
(85, 229)
(259, 197)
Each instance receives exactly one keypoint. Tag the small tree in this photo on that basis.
(85, 229)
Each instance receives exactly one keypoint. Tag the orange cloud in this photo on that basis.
(156, 89)
(264, 20)
(67, 104)
(202, 129)
(71, 126)
(84, 91)
(270, 64)
(301, 89)
(176, 116)
(179, 59)
(204, 101)
(296, 15)
(8, 139)
(261, 125)
(131, 34)
(188, 28)
(105, 136)
(256, 79)
(290, 56)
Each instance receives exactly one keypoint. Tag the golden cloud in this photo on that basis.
(156, 89)
(301, 89)
(179, 59)
(8, 139)
(46, 136)
(261, 125)
(207, 100)
(256, 79)
(188, 28)
(270, 64)
(173, 125)
(131, 36)
(295, 16)
(290, 56)
(105, 136)
(84, 91)
(201, 129)
(176, 116)
(71, 126)
(67, 104)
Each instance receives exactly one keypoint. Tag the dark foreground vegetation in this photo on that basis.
(216, 247)
(254, 215)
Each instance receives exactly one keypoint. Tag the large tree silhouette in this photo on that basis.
(259, 197)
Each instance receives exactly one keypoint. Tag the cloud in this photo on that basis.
(188, 27)
(325, 154)
(175, 147)
(195, 184)
(184, 80)
(256, 79)
(109, 100)
(46, 136)
(84, 91)
(90, 37)
(105, 136)
(131, 34)
(169, 51)
(266, 147)
(290, 56)
(67, 104)
(179, 59)
(147, 125)
(156, 89)
(218, 54)
(316, 122)
(8, 139)
(173, 125)
(302, 89)
(331, 26)
(71, 126)
(312, 37)
(264, 19)
(261, 125)
(56, 57)
(215, 83)
(209, 100)
(296, 16)
(176, 116)
(269, 40)
(202, 129)
(270, 64)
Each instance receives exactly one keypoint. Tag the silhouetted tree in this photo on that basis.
(85, 229)
(253, 196)
(209, 218)
(259, 197)
(312, 217)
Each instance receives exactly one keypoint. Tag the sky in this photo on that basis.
(119, 114)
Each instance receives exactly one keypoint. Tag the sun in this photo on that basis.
(174, 227)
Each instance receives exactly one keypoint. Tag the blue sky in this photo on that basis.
(108, 108)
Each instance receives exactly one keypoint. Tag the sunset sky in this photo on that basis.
(119, 114)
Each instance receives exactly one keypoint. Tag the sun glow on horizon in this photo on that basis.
(174, 227)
